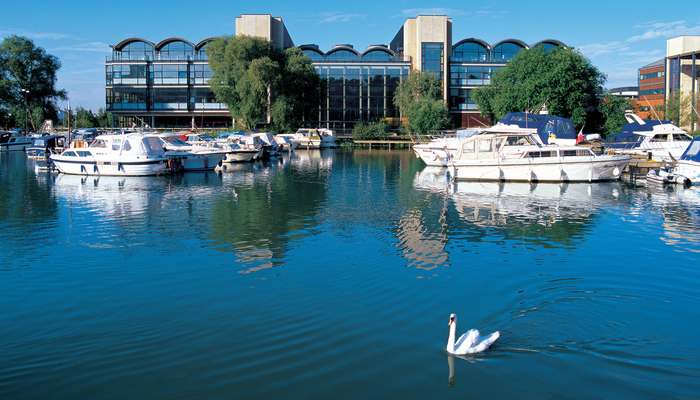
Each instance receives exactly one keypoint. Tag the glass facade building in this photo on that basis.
(165, 84)
(357, 87)
(162, 84)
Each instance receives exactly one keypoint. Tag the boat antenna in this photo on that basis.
(652, 108)
(479, 122)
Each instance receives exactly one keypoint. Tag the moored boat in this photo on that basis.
(511, 153)
(43, 146)
(310, 138)
(546, 129)
(14, 141)
(188, 156)
(688, 165)
(115, 155)
(657, 140)
(241, 147)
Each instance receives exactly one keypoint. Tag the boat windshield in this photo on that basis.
(520, 140)
(175, 141)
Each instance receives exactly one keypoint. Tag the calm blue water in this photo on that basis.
(332, 274)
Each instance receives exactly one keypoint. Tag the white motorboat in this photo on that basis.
(436, 148)
(511, 153)
(657, 140)
(241, 147)
(14, 141)
(286, 142)
(688, 165)
(190, 156)
(309, 138)
(116, 155)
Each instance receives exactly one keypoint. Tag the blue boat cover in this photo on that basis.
(562, 128)
(692, 153)
(627, 139)
(227, 134)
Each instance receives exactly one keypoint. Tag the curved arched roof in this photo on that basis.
(549, 41)
(473, 40)
(128, 41)
(169, 40)
(384, 49)
(513, 41)
(311, 47)
(341, 47)
(203, 43)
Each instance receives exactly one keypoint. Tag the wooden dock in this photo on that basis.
(383, 143)
(638, 168)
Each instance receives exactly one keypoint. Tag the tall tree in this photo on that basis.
(419, 98)
(612, 110)
(298, 92)
(560, 77)
(425, 115)
(28, 82)
(418, 85)
(258, 81)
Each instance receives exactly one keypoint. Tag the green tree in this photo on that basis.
(612, 110)
(419, 98)
(104, 119)
(84, 119)
(682, 109)
(418, 85)
(28, 82)
(428, 114)
(560, 77)
(259, 82)
(298, 92)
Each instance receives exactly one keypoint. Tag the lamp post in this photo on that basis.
(25, 92)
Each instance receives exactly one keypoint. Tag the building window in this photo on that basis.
(470, 52)
(126, 98)
(432, 55)
(176, 51)
(652, 75)
(505, 52)
(135, 51)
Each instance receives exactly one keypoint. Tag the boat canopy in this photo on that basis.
(562, 128)
(692, 153)
(227, 134)
(627, 138)
(647, 125)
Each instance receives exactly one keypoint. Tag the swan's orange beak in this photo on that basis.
(451, 321)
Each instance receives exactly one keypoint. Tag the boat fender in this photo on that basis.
(171, 164)
(83, 170)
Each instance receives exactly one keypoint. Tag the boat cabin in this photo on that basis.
(44, 146)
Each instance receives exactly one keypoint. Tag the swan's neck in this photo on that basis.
(451, 337)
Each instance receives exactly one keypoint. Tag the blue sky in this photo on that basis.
(617, 37)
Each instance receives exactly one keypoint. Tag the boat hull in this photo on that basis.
(573, 169)
(111, 168)
(193, 162)
(240, 156)
(689, 169)
(431, 155)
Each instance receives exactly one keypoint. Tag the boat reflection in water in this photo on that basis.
(497, 203)
(535, 214)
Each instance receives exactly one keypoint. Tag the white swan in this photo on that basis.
(470, 342)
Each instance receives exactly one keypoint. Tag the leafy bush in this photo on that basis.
(371, 131)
